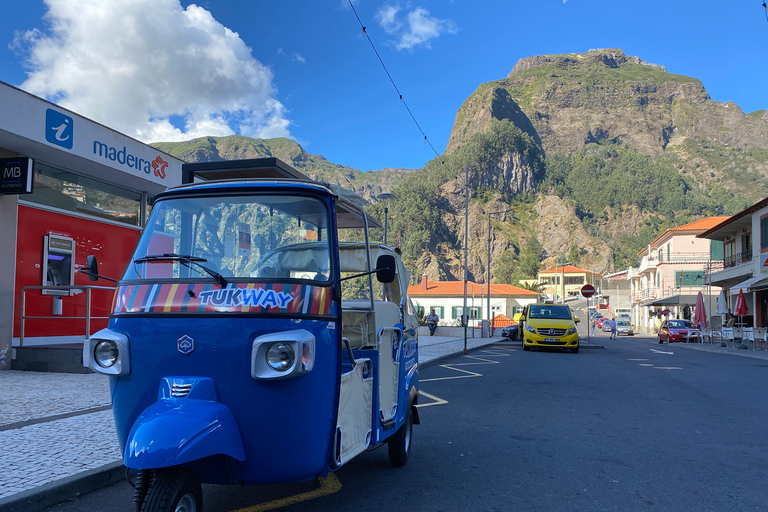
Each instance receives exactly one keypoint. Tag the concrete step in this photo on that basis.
(56, 358)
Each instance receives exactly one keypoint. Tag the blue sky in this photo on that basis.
(169, 70)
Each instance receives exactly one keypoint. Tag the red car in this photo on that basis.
(678, 330)
(600, 322)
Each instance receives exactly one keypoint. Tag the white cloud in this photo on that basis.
(298, 58)
(133, 64)
(418, 27)
(387, 17)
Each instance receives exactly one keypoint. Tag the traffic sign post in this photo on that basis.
(587, 291)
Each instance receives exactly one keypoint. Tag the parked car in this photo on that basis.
(678, 330)
(602, 321)
(624, 327)
(550, 325)
(606, 325)
(510, 332)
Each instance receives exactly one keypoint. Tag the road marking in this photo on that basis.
(645, 364)
(484, 361)
(437, 401)
(450, 367)
(661, 351)
(667, 368)
(328, 485)
(637, 359)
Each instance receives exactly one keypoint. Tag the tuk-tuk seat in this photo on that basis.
(359, 324)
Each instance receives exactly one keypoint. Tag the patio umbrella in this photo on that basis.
(741, 308)
(700, 316)
(722, 307)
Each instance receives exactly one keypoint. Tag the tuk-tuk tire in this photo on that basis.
(399, 445)
(174, 489)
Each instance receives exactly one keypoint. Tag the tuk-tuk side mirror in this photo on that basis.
(92, 268)
(385, 268)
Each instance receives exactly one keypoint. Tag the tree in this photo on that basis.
(574, 255)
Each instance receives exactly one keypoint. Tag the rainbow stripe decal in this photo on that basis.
(212, 298)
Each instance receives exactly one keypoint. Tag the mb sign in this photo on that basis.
(17, 175)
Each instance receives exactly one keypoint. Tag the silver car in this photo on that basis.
(624, 327)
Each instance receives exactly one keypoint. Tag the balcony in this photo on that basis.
(737, 259)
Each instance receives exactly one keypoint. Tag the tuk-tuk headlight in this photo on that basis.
(106, 353)
(281, 357)
(109, 352)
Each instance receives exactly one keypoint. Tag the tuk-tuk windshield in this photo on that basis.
(235, 237)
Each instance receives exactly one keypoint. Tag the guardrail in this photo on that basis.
(87, 317)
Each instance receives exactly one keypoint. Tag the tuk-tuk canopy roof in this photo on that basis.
(272, 171)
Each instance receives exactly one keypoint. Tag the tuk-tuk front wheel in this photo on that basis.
(399, 444)
(174, 490)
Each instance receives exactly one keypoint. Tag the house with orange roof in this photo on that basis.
(447, 299)
(565, 281)
(673, 269)
(744, 267)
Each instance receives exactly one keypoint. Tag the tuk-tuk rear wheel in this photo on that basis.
(399, 445)
(174, 490)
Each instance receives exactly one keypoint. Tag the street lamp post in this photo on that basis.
(386, 197)
(488, 288)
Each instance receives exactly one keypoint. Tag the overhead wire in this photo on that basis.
(389, 75)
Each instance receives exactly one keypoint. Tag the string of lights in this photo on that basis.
(367, 36)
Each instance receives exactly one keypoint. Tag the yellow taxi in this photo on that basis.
(550, 325)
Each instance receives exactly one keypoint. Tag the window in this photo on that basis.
(574, 280)
(764, 232)
(474, 313)
(746, 243)
(75, 193)
(265, 236)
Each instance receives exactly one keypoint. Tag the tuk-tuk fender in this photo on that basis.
(411, 381)
(181, 428)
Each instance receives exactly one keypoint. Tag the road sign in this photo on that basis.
(587, 290)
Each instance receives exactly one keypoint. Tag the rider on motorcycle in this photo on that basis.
(432, 320)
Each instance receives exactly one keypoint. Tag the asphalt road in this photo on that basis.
(637, 426)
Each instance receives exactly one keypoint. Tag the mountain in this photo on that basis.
(235, 147)
(597, 153)
(568, 101)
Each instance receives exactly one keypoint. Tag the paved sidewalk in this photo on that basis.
(58, 433)
(715, 348)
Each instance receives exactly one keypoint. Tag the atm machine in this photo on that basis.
(58, 267)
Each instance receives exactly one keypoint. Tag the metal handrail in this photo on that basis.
(88, 317)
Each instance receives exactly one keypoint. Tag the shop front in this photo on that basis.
(70, 188)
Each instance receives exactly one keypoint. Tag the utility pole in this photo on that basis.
(464, 315)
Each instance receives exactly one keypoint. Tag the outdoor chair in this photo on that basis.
(748, 337)
(728, 335)
(760, 338)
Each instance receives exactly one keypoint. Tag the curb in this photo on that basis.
(66, 489)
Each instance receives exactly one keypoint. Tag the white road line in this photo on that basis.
(661, 352)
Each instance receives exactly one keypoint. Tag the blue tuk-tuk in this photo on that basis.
(249, 344)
